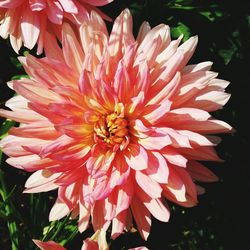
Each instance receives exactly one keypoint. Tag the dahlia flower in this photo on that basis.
(118, 125)
(28, 21)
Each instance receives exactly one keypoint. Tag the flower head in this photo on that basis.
(118, 125)
(28, 21)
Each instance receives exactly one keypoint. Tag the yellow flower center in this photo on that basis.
(112, 131)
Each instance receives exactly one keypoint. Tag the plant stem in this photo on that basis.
(9, 212)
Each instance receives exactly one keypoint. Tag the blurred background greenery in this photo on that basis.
(221, 220)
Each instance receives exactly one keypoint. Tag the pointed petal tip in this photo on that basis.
(193, 39)
(126, 11)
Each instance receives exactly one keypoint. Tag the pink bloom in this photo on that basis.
(49, 245)
(28, 21)
(96, 242)
(118, 125)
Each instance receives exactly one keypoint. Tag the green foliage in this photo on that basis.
(181, 29)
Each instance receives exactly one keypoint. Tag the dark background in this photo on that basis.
(221, 220)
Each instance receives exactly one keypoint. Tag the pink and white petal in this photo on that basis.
(122, 82)
(72, 51)
(52, 49)
(30, 27)
(211, 126)
(219, 83)
(68, 6)
(177, 139)
(37, 5)
(120, 172)
(136, 104)
(98, 166)
(69, 193)
(54, 12)
(148, 51)
(74, 129)
(10, 3)
(166, 92)
(204, 66)
(94, 28)
(139, 248)
(89, 244)
(21, 161)
(196, 138)
(167, 71)
(175, 189)
(97, 2)
(17, 102)
(22, 116)
(200, 173)
(110, 206)
(124, 196)
(168, 52)
(49, 245)
(207, 153)
(160, 32)
(181, 188)
(150, 138)
(77, 153)
(56, 145)
(107, 96)
(174, 157)
(143, 31)
(188, 49)
(121, 36)
(158, 209)
(156, 141)
(41, 130)
(183, 115)
(42, 39)
(84, 216)
(97, 241)
(98, 215)
(41, 181)
(58, 211)
(35, 93)
(6, 23)
(156, 113)
(142, 217)
(148, 185)
(209, 100)
(142, 78)
(191, 191)
(99, 190)
(191, 85)
(118, 224)
(13, 146)
(157, 167)
(16, 42)
(136, 157)
(31, 163)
